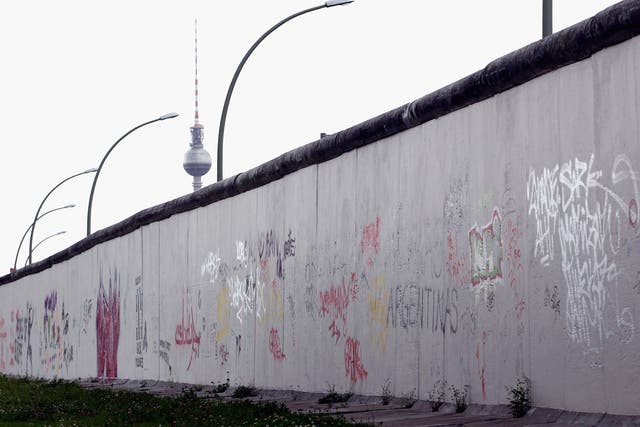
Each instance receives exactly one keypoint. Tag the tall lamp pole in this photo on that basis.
(35, 219)
(15, 263)
(95, 179)
(223, 118)
(46, 238)
(547, 18)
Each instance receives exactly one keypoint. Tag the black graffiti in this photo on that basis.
(289, 246)
(238, 346)
(412, 306)
(165, 349)
(552, 299)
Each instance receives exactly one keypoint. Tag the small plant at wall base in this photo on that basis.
(407, 400)
(520, 397)
(459, 397)
(244, 391)
(386, 392)
(436, 396)
(334, 397)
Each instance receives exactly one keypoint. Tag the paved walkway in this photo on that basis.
(368, 409)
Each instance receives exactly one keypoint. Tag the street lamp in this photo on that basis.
(95, 179)
(223, 118)
(33, 227)
(15, 263)
(43, 240)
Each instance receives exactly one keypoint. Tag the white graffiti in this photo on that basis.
(242, 254)
(246, 294)
(543, 196)
(571, 202)
(211, 267)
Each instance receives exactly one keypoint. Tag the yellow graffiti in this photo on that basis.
(378, 301)
(223, 313)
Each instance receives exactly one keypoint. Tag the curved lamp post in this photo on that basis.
(223, 118)
(15, 263)
(95, 179)
(35, 219)
(43, 240)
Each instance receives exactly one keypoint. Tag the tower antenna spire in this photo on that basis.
(197, 115)
(197, 161)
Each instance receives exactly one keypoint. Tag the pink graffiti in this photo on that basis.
(187, 334)
(108, 327)
(370, 243)
(456, 263)
(274, 345)
(353, 366)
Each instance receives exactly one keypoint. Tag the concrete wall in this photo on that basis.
(498, 241)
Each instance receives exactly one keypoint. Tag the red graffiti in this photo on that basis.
(353, 366)
(3, 336)
(335, 331)
(633, 212)
(187, 334)
(334, 304)
(370, 243)
(108, 327)
(456, 264)
(274, 345)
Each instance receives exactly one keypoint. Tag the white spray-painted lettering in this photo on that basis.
(571, 201)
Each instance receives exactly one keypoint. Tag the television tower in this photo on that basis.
(197, 160)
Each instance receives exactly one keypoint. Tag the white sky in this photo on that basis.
(76, 75)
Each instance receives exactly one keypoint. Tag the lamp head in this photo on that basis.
(331, 3)
(169, 116)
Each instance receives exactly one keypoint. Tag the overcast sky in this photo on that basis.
(76, 75)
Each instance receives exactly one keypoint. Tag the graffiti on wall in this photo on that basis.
(21, 350)
(420, 306)
(353, 365)
(141, 325)
(3, 340)
(274, 345)
(164, 352)
(187, 333)
(56, 350)
(485, 247)
(334, 305)
(108, 325)
(574, 209)
(378, 303)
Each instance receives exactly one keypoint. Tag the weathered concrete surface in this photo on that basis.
(498, 241)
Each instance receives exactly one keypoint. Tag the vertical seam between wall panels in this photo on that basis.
(255, 300)
(159, 296)
(355, 227)
(316, 244)
(142, 283)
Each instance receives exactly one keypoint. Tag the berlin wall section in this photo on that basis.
(495, 242)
